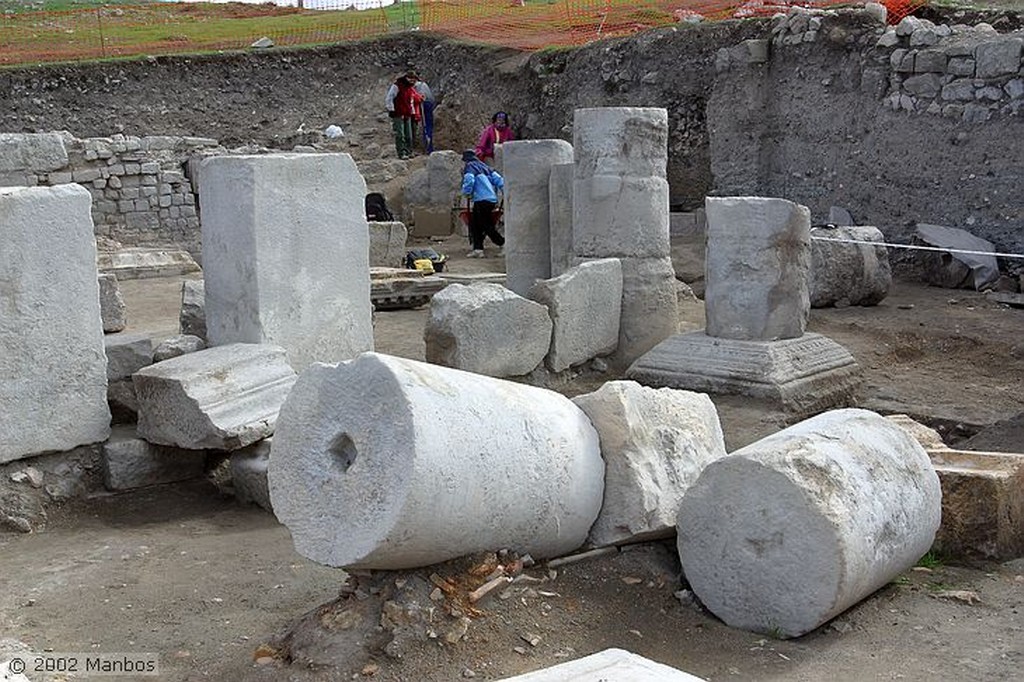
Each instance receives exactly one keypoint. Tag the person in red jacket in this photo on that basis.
(497, 133)
(403, 106)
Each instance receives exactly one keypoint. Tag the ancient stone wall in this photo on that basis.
(900, 125)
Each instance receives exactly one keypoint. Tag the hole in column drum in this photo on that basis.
(344, 452)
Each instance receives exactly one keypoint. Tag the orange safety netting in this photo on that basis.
(188, 28)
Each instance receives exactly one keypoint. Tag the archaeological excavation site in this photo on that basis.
(709, 365)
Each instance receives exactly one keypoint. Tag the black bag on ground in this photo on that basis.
(377, 208)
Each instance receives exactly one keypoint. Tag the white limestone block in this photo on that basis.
(560, 217)
(249, 473)
(584, 304)
(127, 354)
(192, 318)
(24, 154)
(177, 345)
(527, 165)
(650, 306)
(792, 530)
(655, 443)
(487, 329)
(53, 369)
(286, 254)
(758, 259)
(130, 463)
(222, 398)
(423, 463)
(112, 308)
(387, 243)
(610, 665)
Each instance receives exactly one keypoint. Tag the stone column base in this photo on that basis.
(804, 375)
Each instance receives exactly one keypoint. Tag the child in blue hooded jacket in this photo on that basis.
(481, 184)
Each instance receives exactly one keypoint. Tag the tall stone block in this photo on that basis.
(560, 217)
(528, 165)
(53, 372)
(620, 209)
(286, 254)
(758, 260)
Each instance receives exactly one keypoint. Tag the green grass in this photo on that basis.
(930, 560)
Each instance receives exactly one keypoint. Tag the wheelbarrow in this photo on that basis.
(496, 216)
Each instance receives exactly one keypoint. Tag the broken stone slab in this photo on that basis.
(655, 443)
(192, 318)
(387, 243)
(112, 308)
(650, 307)
(527, 173)
(400, 288)
(177, 345)
(130, 463)
(286, 254)
(487, 329)
(758, 258)
(792, 530)
(127, 354)
(53, 390)
(957, 269)
(840, 217)
(610, 665)
(473, 277)
(445, 464)
(982, 497)
(584, 303)
(122, 401)
(560, 217)
(848, 274)
(144, 263)
(222, 398)
(249, 473)
(802, 376)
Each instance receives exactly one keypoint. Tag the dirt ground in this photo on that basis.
(204, 581)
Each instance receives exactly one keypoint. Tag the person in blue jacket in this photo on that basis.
(481, 185)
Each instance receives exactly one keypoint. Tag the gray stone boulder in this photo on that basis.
(487, 329)
(848, 274)
(177, 345)
(127, 354)
(792, 530)
(585, 303)
(192, 318)
(655, 443)
(112, 308)
(222, 398)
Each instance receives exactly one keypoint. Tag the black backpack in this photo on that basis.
(377, 208)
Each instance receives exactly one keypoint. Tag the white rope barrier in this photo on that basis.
(912, 247)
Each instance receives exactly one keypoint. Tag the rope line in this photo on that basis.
(912, 247)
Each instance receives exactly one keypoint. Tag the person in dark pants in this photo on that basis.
(481, 185)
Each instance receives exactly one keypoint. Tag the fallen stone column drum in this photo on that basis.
(388, 463)
(792, 530)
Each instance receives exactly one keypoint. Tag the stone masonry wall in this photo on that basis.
(900, 125)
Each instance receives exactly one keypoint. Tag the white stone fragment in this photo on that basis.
(53, 390)
(112, 308)
(223, 398)
(192, 318)
(286, 254)
(610, 665)
(792, 530)
(584, 303)
(423, 463)
(527, 173)
(487, 329)
(130, 463)
(655, 443)
(387, 243)
(758, 258)
(177, 345)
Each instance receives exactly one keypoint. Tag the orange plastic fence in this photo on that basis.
(185, 28)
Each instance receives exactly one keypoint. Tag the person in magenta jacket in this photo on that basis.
(498, 132)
